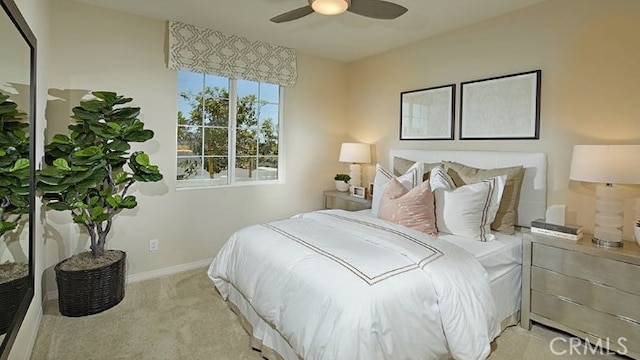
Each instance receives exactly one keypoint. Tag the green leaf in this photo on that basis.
(58, 206)
(80, 219)
(20, 164)
(113, 125)
(93, 105)
(52, 188)
(142, 158)
(88, 152)
(120, 177)
(85, 115)
(107, 96)
(97, 211)
(114, 201)
(61, 164)
(94, 200)
(7, 107)
(129, 202)
(102, 217)
(79, 205)
(119, 145)
(125, 113)
(6, 226)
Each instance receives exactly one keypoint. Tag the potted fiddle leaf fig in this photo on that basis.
(14, 165)
(90, 173)
(14, 202)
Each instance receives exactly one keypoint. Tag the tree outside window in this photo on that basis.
(226, 124)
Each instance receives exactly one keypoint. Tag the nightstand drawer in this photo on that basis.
(604, 326)
(339, 203)
(342, 200)
(595, 296)
(618, 274)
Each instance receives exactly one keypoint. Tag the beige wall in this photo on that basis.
(97, 49)
(589, 54)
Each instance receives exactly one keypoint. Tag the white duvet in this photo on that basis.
(342, 285)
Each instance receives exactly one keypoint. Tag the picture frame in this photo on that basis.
(358, 192)
(503, 107)
(428, 114)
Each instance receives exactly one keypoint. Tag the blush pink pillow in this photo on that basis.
(412, 208)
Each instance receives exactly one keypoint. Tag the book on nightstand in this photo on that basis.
(571, 232)
(559, 234)
(569, 229)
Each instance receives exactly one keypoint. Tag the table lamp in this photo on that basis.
(356, 154)
(607, 165)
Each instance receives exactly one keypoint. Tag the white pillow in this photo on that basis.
(410, 179)
(469, 210)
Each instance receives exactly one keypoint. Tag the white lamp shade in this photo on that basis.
(330, 7)
(355, 153)
(610, 164)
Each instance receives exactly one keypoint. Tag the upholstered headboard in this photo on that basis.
(533, 193)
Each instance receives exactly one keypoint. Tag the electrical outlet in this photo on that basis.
(153, 245)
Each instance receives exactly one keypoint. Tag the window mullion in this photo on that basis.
(233, 115)
(202, 131)
(280, 131)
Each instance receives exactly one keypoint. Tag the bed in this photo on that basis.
(333, 284)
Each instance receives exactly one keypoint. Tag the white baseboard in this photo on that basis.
(167, 271)
(148, 275)
(34, 335)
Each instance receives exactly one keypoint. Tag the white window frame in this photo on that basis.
(195, 184)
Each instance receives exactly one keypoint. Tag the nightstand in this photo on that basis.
(588, 291)
(342, 200)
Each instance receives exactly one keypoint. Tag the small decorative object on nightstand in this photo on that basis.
(342, 200)
(342, 182)
(578, 287)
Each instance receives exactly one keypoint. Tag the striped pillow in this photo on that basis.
(507, 215)
(467, 210)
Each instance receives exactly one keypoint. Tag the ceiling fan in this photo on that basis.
(377, 9)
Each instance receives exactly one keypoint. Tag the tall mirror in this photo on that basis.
(17, 163)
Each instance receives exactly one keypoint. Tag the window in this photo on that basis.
(228, 131)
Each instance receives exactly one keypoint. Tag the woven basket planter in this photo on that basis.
(11, 294)
(88, 292)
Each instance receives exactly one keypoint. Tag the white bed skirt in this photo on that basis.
(267, 340)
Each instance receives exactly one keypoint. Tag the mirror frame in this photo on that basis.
(12, 11)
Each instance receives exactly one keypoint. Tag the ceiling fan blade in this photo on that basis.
(292, 15)
(377, 9)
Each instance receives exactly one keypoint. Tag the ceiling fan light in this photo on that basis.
(329, 7)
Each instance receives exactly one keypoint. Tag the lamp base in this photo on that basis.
(606, 243)
(355, 174)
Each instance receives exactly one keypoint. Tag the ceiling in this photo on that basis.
(346, 37)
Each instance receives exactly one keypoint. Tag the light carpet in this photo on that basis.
(181, 316)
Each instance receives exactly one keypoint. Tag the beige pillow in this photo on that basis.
(507, 215)
(412, 208)
(401, 165)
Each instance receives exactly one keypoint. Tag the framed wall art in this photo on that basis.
(428, 114)
(504, 107)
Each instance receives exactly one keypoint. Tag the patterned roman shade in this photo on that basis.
(212, 52)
